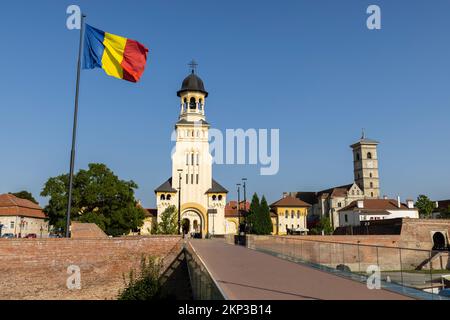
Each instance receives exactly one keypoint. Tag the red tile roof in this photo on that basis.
(231, 208)
(10, 205)
(290, 202)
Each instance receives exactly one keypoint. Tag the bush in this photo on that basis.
(145, 285)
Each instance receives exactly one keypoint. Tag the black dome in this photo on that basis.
(192, 83)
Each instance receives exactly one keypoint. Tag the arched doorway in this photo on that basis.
(195, 222)
(439, 242)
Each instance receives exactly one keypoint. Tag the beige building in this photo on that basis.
(21, 217)
(290, 215)
(202, 198)
(366, 185)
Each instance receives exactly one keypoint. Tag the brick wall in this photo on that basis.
(37, 268)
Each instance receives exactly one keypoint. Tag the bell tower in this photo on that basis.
(365, 166)
(192, 157)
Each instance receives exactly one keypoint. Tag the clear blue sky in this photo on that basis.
(310, 68)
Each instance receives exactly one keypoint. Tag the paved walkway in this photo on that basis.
(245, 274)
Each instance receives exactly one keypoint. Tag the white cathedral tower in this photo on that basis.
(202, 199)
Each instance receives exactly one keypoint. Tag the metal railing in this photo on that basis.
(413, 272)
(204, 287)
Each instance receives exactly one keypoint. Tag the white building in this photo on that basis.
(21, 217)
(202, 199)
(376, 209)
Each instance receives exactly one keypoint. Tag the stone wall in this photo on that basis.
(37, 268)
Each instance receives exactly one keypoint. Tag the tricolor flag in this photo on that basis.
(120, 57)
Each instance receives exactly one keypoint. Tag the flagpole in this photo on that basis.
(74, 130)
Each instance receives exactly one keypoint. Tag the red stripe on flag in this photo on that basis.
(134, 60)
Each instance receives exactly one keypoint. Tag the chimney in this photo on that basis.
(399, 205)
(410, 204)
(360, 204)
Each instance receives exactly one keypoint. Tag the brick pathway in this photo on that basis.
(245, 274)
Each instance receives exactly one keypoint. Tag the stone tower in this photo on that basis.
(365, 166)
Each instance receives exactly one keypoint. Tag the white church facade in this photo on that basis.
(202, 199)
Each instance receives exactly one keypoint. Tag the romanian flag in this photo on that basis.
(120, 57)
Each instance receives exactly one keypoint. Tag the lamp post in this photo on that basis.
(244, 185)
(238, 206)
(180, 171)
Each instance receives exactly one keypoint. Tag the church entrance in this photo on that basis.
(194, 223)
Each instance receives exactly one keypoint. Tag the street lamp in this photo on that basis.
(180, 171)
(239, 206)
(244, 180)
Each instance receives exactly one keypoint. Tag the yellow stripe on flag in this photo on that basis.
(113, 55)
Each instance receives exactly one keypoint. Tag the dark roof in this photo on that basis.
(192, 83)
(184, 121)
(166, 187)
(376, 205)
(364, 140)
(151, 212)
(442, 205)
(216, 188)
(290, 202)
(311, 197)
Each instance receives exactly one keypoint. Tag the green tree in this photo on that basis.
(169, 221)
(265, 222)
(424, 205)
(99, 197)
(253, 213)
(323, 225)
(24, 195)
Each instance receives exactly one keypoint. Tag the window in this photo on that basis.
(346, 218)
(339, 204)
(192, 178)
(369, 155)
(298, 214)
(371, 184)
(371, 194)
(192, 158)
(219, 197)
(287, 215)
(198, 159)
(214, 197)
(11, 226)
(357, 156)
(292, 214)
(168, 197)
(192, 104)
(287, 227)
(370, 175)
(196, 178)
(163, 197)
(187, 159)
(187, 178)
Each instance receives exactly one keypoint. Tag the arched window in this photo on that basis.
(286, 215)
(198, 159)
(357, 156)
(219, 197)
(192, 158)
(298, 214)
(200, 104)
(187, 159)
(163, 197)
(371, 184)
(192, 104)
(168, 197)
(369, 155)
(370, 175)
(292, 214)
(214, 197)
